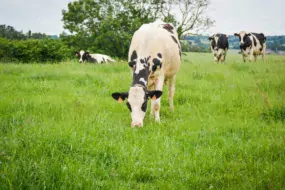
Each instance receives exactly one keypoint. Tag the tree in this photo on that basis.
(107, 26)
(193, 18)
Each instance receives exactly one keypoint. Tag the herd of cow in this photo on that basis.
(154, 59)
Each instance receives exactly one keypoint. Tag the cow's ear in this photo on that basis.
(210, 38)
(226, 36)
(120, 96)
(248, 34)
(236, 34)
(76, 53)
(154, 94)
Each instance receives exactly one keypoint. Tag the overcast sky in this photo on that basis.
(230, 15)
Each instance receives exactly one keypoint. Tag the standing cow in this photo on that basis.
(154, 58)
(252, 44)
(93, 58)
(219, 46)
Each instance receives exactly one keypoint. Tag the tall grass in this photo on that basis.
(61, 129)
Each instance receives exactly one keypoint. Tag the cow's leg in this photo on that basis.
(215, 59)
(255, 58)
(263, 53)
(155, 104)
(171, 90)
(243, 58)
(251, 55)
(263, 56)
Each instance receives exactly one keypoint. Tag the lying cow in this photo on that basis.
(93, 58)
(219, 46)
(252, 44)
(154, 58)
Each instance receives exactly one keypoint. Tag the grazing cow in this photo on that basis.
(93, 58)
(219, 46)
(252, 44)
(154, 58)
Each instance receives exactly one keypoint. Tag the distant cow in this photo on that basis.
(93, 58)
(219, 46)
(252, 44)
(154, 58)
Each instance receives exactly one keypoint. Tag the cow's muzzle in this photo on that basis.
(134, 124)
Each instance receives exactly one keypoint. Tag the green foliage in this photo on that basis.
(61, 129)
(106, 26)
(32, 50)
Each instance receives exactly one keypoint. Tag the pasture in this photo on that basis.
(61, 129)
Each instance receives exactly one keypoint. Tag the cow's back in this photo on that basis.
(159, 43)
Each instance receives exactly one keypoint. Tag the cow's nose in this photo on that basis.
(139, 124)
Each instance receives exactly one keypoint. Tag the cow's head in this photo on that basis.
(216, 46)
(83, 56)
(244, 39)
(137, 102)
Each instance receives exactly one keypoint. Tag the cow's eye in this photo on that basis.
(129, 106)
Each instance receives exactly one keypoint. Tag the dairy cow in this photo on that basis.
(252, 44)
(219, 46)
(93, 58)
(154, 58)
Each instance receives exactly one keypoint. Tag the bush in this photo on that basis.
(33, 50)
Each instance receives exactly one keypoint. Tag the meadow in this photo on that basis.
(61, 129)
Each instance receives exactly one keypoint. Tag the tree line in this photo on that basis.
(105, 26)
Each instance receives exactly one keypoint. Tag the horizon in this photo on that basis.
(45, 17)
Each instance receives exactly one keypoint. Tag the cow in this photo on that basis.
(154, 59)
(219, 46)
(93, 58)
(252, 44)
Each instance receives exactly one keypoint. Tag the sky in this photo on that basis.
(230, 15)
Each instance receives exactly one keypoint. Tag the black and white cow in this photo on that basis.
(154, 58)
(93, 58)
(219, 46)
(252, 44)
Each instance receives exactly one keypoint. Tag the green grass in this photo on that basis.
(61, 129)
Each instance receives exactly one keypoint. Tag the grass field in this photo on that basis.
(61, 129)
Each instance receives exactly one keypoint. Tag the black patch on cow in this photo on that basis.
(129, 106)
(254, 41)
(156, 63)
(132, 63)
(144, 105)
(168, 27)
(159, 55)
(134, 55)
(174, 39)
(261, 38)
(247, 42)
(144, 73)
(87, 57)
